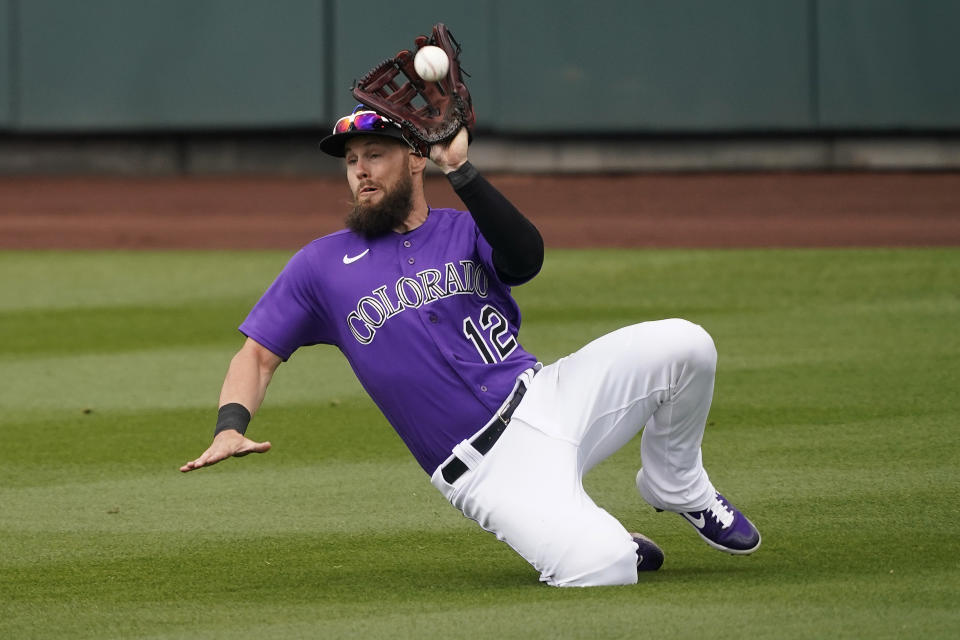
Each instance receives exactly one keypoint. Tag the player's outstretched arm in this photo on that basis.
(246, 385)
(517, 245)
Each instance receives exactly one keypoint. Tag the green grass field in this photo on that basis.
(835, 427)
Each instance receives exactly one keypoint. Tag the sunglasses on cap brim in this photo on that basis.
(363, 121)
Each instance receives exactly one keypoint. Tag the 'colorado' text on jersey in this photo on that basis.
(428, 328)
(410, 293)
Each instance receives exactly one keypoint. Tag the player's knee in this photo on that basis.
(695, 346)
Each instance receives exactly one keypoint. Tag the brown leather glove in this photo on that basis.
(429, 112)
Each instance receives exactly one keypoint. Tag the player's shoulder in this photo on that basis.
(316, 254)
(335, 239)
(332, 243)
(448, 214)
(450, 218)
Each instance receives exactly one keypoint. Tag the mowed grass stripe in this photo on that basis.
(833, 426)
(162, 379)
(50, 280)
(325, 582)
(116, 329)
(66, 446)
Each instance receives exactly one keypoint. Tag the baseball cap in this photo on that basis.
(362, 122)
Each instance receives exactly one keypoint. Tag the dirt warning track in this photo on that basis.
(646, 210)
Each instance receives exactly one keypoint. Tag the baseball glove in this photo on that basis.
(393, 86)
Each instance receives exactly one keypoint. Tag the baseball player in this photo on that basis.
(419, 301)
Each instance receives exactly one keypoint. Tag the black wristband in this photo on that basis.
(462, 176)
(232, 416)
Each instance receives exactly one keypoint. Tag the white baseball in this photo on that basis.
(431, 63)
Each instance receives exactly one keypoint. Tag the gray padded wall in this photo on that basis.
(7, 33)
(538, 66)
(690, 65)
(889, 64)
(117, 64)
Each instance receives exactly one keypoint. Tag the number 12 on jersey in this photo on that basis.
(488, 338)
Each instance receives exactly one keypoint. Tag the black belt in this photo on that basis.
(486, 439)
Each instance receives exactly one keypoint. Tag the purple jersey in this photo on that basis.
(427, 326)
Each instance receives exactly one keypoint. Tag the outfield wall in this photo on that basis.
(818, 74)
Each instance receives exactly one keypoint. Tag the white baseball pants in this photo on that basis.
(528, 489)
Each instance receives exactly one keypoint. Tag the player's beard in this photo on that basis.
(377, 219)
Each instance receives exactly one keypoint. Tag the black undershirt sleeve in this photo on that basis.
(517, 245)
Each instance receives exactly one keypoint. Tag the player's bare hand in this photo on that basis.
(225, 445)
(451, 156)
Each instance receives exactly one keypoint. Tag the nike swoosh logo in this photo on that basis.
(348, 260)
(699, 523)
